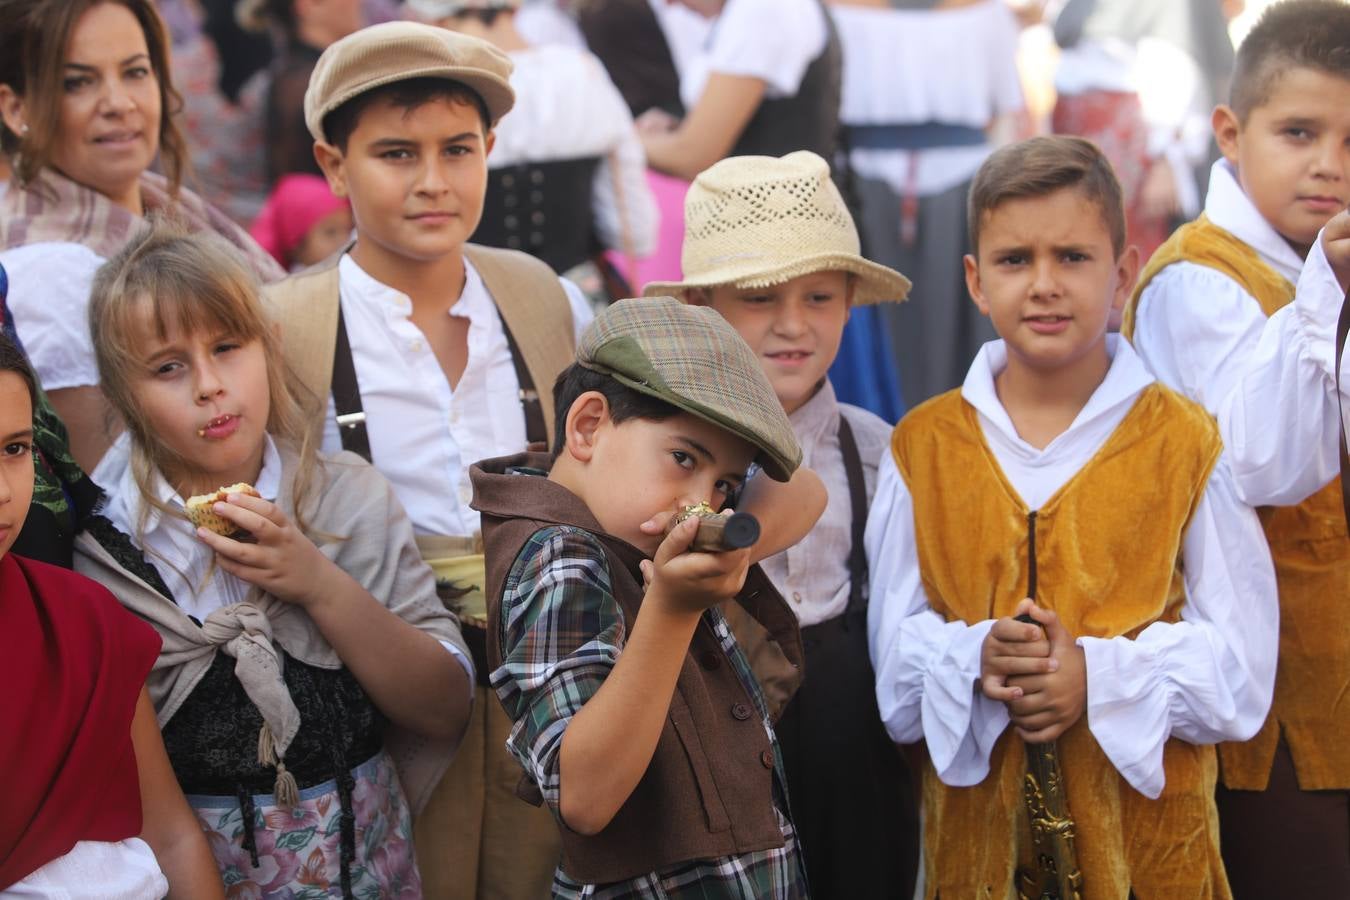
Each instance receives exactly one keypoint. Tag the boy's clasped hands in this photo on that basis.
(1037, 671)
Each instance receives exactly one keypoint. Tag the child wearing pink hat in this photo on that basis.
(302, 223)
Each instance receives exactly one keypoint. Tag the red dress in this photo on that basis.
(72, 664)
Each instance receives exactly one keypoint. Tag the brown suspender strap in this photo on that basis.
(351, 416)
(857, 495)
(536, 430)
(1342, 329)
(536, 312)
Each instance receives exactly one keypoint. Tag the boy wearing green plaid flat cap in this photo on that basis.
(770, 245)
(637, 718)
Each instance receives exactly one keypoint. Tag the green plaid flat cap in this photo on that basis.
(691, 358)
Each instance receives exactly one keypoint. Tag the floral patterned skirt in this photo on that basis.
(298, 849)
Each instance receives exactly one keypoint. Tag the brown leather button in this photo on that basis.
(740, 711)
(710, 660)
(767, 758)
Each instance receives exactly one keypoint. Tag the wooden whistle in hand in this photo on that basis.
(718, 532)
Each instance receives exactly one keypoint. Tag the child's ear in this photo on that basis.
(973, 284)
(330, 161)
(587, 414)
(698, 297)
(489, 141)
(1226, 127)
(1127, 271)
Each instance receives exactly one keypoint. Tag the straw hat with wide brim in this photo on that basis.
(758, 221)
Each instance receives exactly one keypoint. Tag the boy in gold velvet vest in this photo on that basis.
(1061, 481)
(1196, 319)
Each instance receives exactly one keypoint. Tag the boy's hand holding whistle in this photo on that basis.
(694, 568)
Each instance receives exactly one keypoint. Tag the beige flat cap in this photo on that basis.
(400, 51)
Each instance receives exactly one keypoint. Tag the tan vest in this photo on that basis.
(1108, 563)
(1312, 565)
(526, 292)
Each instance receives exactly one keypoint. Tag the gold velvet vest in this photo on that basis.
(1108, 550)
(1312, 564)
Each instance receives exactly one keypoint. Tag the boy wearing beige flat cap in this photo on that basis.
(771, 246)
(429, 353)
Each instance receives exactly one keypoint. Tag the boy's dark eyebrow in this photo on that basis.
(1302, 121)
(18, 436)
(697, 448)
(135, 57)
(392, 142)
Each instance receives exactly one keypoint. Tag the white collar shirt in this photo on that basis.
(423, 435)
(1269, 381)
(170, 543)
(813, 574)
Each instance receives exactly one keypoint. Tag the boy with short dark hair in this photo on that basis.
(1063, 483)
(1196, 319)
(637, 718)
(431, 353)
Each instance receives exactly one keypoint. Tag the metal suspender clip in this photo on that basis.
(351, 420)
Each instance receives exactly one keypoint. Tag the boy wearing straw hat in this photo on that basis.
(770, 245)
(637, 717)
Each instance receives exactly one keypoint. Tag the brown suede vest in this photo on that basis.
(1108, 549)
(708, 791)
(1312, 565)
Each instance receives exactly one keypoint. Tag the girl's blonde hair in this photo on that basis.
(190, 282)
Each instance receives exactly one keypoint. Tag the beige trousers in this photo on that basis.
(476, 840)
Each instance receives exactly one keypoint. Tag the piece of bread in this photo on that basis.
(200, 512)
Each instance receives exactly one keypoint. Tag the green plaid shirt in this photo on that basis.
(562, 632)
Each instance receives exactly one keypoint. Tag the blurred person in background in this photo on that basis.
(223, 130)
(1139, 78)
(923, 88)
(566, 173)
(766, 82)
(304, 28)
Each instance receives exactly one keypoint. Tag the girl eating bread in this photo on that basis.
(311, 686)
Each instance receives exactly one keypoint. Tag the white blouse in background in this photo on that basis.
(1205, 679)
(423, 435)
(542, 22)
(772, 40)
(49, 299)
(908, 67)
(813, 574)
(1270, 381)
(568, 108)
(96, 870)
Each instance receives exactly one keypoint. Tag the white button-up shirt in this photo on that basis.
(1270, 381)
(1205, 679)
(424, 435)
(813, 574)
